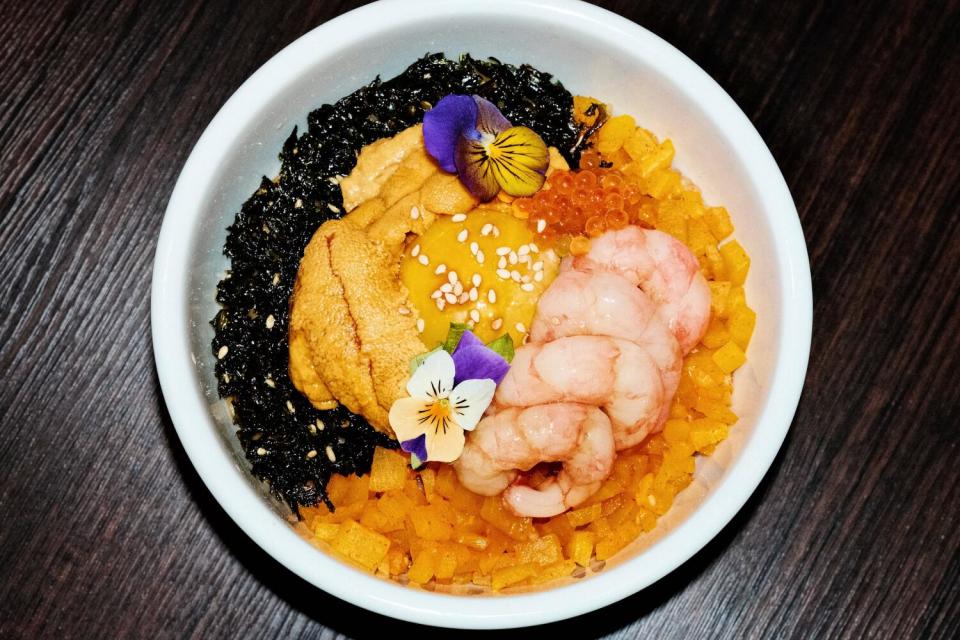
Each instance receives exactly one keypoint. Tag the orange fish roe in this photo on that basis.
(425, 528)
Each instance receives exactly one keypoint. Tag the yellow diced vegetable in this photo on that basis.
(580, 547)
(388, 471)
(729, 357)
(363, 546)
(736, 260)
(584, 516)
(741, 325)
(507, 576)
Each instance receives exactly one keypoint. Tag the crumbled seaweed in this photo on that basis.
(277, 426)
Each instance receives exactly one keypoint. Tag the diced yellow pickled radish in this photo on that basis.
(388, 471)
(736, 260)
(363, 546)
(729, 357)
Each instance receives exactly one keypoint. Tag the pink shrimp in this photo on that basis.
(606, 304)
(516, 439)
(664, 268)
(615, 374)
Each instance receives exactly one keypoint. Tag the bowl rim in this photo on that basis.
(189, 407)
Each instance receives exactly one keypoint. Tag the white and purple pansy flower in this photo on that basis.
(468, 135)
(448, 395)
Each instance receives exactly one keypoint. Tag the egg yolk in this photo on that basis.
(482, 268)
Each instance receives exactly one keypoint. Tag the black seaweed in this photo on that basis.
(277, 426)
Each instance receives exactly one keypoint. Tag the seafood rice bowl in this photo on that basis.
(477, 330)
(472, 341)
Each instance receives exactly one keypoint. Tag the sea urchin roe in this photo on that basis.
(484, 269)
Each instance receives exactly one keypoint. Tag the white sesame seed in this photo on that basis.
(462, 236)
(541, 225)
(423, 259)
(523, 250)
(520, 328)
(414, 213)
(333, 208)
(534, 248)
(270, 383)
(513, 257)
(458, 287)
(474, 294)
(526, 286)
(436, 294)
(515, 275)
(502, 262)
(451, 298)
(459, 217)
(290, 407)
(298, 204)
(480, 256)
(496, 231)
(403, 311)
(497, 323)
(320, 425)
(331, 456)
(475, 315)
(446, 287)
(270, 321)
(492, 296)
(503, 273)
(453, 277)
(525, 279)
(222, 352)
(524, 259)
(474, 247)
(415, 251)
(276, 279)
(226, 377)
(311, 454)
(538, 265)
(476, 279)
(420, 325)
(440, 269)
(486, 230)
(463, 297)
(441, 303)
(538, 276)
(261, 451)
(502, 251)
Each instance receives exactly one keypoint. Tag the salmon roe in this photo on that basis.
(589, 201)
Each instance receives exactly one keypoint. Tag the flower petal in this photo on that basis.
(445, 446)
(452, 118)
(433, 378)
(489, 118)
(518, 159)
(473, 360)
(469, 400)
(417, 446)
(405, 415)
(473, 165)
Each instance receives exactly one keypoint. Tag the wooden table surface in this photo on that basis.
(106, 529)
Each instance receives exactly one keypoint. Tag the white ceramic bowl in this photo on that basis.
(592, 52)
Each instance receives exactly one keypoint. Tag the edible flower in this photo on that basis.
(469, 136)
(448, 395)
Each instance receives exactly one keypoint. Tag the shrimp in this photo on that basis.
(615, 374)
(664, 268)
(606, 304)
(516, 439)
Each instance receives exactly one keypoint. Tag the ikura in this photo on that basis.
(589, 201)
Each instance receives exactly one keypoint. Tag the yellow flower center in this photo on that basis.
(438, 414)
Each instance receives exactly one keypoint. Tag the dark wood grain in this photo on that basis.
(106, 530)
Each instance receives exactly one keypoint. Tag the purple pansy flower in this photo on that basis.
(469, 136)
